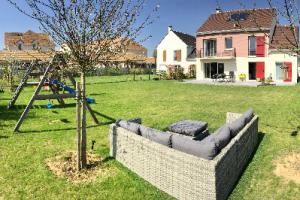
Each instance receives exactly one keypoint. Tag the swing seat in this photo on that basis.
(90, 100)
(50, 105)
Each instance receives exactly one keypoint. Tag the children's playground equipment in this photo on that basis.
(46, 80)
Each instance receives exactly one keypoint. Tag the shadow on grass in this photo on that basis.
(108, 82)
(3, 137)
(105, 116)
(62, 129)
(96, 94)
(12, 114)
(261, 136)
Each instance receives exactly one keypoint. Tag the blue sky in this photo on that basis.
(184, 15)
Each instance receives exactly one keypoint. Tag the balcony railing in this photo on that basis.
(215, 54)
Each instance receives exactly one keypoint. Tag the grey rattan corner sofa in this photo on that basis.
(182, 175)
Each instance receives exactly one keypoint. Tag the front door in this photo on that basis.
(260, 70)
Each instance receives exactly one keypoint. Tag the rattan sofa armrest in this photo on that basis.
(230, 117)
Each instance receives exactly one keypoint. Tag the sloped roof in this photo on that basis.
(186, 38)
(254, 19)
(11, 38)
(24, 55)
(285, 37)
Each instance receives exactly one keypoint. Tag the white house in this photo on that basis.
(176, 49)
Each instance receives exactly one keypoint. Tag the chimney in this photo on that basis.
(218, 10)
(170, 28)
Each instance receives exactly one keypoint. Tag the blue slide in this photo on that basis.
(72, 91)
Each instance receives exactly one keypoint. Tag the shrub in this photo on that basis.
(191, 71)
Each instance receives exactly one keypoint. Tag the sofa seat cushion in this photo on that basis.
(221, 137)
(188, 127)
(130, 126)
(248, 115)
(206, 149)
(156, 135)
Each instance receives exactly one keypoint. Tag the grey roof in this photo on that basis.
(186, 38)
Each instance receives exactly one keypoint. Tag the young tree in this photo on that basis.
(92, 32)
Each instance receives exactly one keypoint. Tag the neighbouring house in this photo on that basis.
(247, 43)
(176, 49)
(134, 55)
(26, 46)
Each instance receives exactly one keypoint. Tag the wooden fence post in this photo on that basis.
(78, 122)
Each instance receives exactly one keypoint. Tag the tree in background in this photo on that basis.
(92, 32)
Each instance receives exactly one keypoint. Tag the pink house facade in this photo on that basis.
(246, 45)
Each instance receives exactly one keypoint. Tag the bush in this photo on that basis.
(175, 73)
(191, 71)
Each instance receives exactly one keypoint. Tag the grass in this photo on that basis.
(47, 132)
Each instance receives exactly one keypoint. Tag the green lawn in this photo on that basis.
(47, 132)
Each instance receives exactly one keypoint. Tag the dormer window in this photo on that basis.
(20, 45)
(35, 45)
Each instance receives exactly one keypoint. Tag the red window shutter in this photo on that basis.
(289, 71)
(164, 55)
(260, 46)
(260, 70)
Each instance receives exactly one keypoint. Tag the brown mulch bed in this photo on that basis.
(65, 165)
(288, 167)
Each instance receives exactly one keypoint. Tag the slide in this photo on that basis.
(71, 91)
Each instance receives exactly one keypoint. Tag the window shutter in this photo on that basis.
(178, 55)
(289, 71)
(260, 70)
(260, 46)
(164, 55)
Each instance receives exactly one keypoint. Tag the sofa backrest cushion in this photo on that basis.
(156, 135)
(221, 137)
(248, 115)
(133, 127)
(206, 149)
(236, 126)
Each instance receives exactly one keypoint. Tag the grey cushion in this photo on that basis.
(236, 126)
(156, 135)
(248, 115)
(221, 137)
(206, 149)
(198, 138)
(136, 120)
(188, 127)
(133, 127)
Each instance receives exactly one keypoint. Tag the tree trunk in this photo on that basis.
(83, 122)
(78, 120)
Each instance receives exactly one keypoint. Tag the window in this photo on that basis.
(20, 45)
(164, 55)
(252, 71)
(210, 48)
(211, 69)
(177, 55)
(252, 46)
(228, 43)
(34, 45)
(283, 71)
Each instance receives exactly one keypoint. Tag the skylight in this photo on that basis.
(239, 17)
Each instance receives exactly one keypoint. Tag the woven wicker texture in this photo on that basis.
(181, 175)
